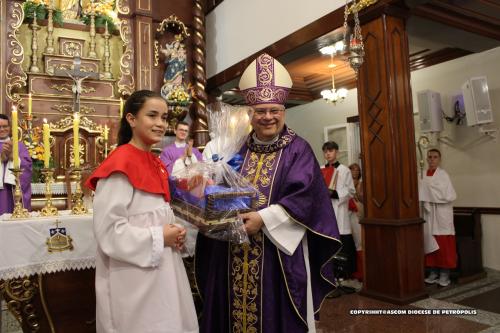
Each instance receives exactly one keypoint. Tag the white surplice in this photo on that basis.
(141, 286)
(287, 235)
(342, 182)
(436, 195)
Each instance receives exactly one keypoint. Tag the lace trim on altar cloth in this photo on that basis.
(57, 188)
(47, 267)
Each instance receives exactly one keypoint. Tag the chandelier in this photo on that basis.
(333, 95)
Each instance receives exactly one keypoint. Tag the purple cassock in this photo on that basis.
(256, 287)
(172, 153)
(6, 195)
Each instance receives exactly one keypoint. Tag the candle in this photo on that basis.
(15, 139)
(76, 141)
(46, 144)
(30, 104)
(121, 107)
(106, 130)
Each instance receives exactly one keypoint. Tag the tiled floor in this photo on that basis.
(335, 315)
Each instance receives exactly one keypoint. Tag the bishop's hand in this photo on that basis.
(253, 222)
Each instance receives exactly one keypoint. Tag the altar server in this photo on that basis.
(141, 283)
(436, 194)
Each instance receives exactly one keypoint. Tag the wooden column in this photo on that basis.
(393, 239)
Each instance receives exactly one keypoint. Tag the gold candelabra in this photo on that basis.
(107, 54)
(19, 211)
(92, 53)
(102, 142)
(48, 209)
(34, 46)
(78, 208)
(49, 49)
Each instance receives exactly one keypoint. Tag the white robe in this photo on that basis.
(436, 194)
(141, 286)
(346, 190)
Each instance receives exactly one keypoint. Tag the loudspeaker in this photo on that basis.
(430, 111)
(477, 101)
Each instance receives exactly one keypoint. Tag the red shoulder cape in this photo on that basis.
(144, 170)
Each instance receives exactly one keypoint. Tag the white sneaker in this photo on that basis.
(352, 283)
(444, 279)
(432, 278)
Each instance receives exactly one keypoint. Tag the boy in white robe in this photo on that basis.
(436, 194)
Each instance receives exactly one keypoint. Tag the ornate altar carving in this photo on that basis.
(19, 294)
(126, 82)
(72, 47)
(14, 74)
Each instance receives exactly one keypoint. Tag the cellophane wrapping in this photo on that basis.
(211, 194)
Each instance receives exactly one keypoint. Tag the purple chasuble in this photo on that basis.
(171, 153)
(256, 287)
(6, 194)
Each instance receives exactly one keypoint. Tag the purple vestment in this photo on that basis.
(259, 287)
(172, 153)
(6, 195)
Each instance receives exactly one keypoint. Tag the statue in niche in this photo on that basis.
(70, 9)
(175, 61)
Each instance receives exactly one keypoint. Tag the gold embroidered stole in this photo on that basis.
(247, 260)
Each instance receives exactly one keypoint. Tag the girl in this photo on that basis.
(141, 283)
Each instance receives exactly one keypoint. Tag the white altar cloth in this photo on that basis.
(23, 248)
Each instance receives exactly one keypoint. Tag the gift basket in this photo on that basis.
(211, 194)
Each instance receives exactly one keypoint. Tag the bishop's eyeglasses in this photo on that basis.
(273, 111)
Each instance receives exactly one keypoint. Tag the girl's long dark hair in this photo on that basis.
(133, 104)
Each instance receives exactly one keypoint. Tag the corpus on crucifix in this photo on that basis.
(78, 76)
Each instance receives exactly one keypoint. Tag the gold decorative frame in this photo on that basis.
(170, 22)
(123, 7)
(68, 108)
(126, 82)
(69, 87)
(66, 123)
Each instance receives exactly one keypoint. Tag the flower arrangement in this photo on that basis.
(180, 95)
(105, 12)
(35, 148)
(40, 9)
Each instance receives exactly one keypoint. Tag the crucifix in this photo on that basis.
(77, 75)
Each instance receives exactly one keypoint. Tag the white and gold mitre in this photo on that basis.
(265, 80)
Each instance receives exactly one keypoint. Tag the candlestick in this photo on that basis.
(121, 107)
(30, 104)
(92, 43)
(46, 144)
(106, 136)
(48, 209)
(76, 141)
(19, 211)
(77, 197)
(15, 138)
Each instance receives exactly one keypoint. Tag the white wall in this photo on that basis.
(310, 119)
(238, 28)
(472, 159)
